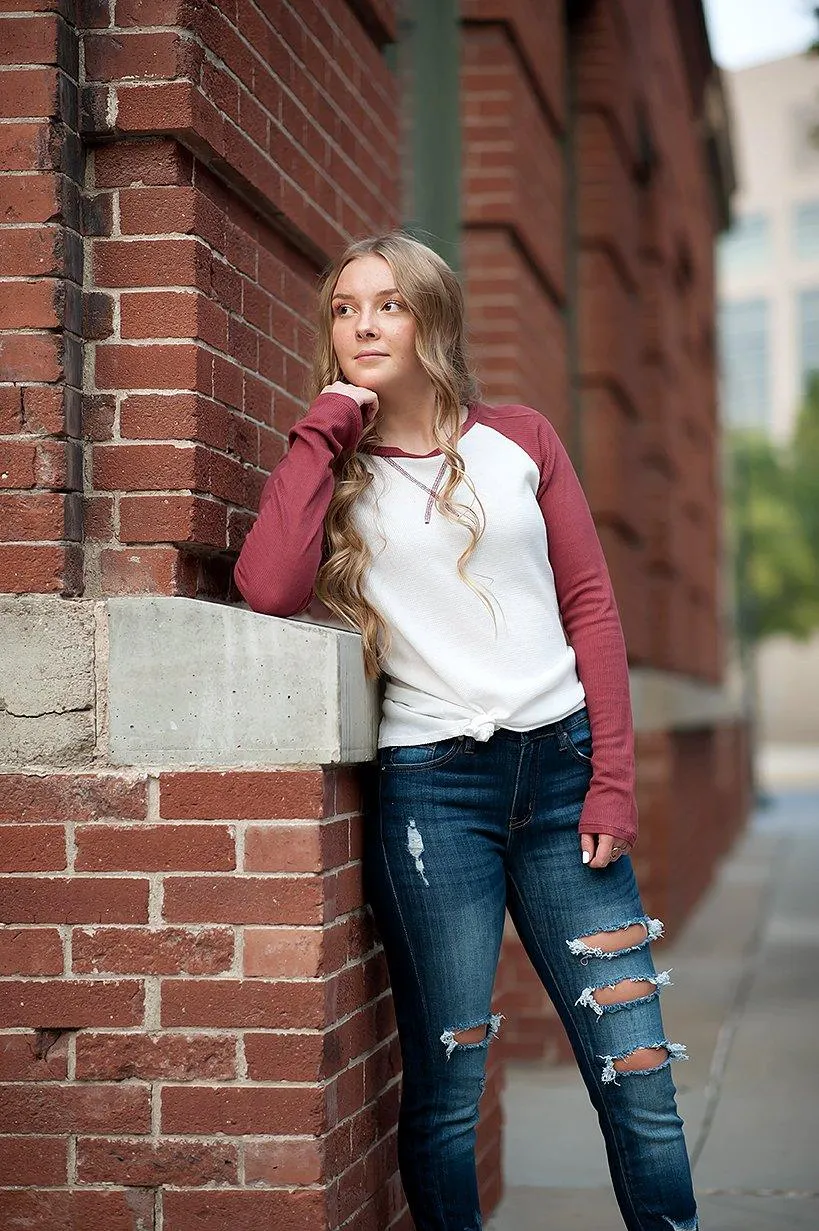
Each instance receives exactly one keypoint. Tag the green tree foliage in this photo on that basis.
(774, 519)
(804, 464)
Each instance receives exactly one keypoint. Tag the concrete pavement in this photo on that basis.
(745, 1001)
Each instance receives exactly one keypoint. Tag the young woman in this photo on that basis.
(456, 538)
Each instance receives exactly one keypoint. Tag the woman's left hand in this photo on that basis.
(602, 849)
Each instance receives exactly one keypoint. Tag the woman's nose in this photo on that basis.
(365, 325)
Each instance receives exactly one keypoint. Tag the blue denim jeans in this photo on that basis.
(457, 832)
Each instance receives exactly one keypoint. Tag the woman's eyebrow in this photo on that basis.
(391, 290)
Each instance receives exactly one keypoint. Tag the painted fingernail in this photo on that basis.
(586, 856)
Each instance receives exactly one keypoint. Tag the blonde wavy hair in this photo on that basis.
(433, 295)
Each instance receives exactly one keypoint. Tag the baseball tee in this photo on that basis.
(553, 640)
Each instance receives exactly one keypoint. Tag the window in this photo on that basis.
(745, 362)
(746, 246)
(808, 313)
(806, 229)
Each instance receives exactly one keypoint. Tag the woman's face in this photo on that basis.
(373, 329)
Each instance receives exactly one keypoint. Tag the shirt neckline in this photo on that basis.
(394, 451)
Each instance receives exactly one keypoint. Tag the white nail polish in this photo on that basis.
(586, 856)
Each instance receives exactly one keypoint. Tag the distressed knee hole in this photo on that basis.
(476, 1035)
(631, 935)
(642, 1061)
(625, 990)
(471, 1036)
(622, 993)
(622, 938)
(642, 1058)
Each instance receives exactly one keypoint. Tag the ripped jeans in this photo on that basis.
(456, 832)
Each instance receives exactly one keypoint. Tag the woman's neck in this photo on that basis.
(407, 425)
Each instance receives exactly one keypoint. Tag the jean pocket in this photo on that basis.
(578, 742)
(421, 756)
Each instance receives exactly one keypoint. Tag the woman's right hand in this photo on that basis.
(364, 397)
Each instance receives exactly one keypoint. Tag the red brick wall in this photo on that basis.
(514, 205)
(646, 322)
(180, 452)
(195, 1015)
(206, 250)
(694, 792)
(165, 267)
(41, 306)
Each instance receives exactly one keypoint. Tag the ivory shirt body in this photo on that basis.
(451, 669)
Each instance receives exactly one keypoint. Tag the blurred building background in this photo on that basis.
(768, 279)
(197, 1025)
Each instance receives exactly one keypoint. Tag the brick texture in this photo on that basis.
(645, 311)
(40, 300)
(169, 964)
(223, 126)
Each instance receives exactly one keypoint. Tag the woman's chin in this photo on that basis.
(363, 376)
(368, 378)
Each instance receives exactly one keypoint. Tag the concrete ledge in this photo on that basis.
(47, 689)
(196, 683)
(662, 701)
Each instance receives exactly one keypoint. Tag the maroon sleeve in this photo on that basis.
(589, 613)
(281, 555)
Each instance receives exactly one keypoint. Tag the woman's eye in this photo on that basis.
(343, 309)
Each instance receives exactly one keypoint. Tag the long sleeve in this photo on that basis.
(588, 610)
(277, 565)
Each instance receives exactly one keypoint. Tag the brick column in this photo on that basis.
(196, 1017)
(41, 310)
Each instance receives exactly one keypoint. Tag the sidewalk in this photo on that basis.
(745, 1001)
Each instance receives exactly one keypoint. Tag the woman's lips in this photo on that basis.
(379, 355)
